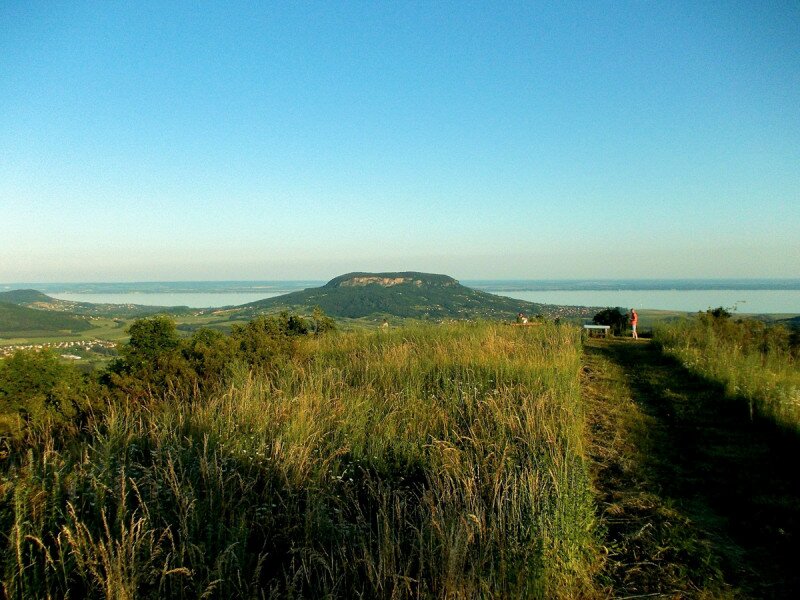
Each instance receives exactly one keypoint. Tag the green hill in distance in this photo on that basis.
(791, 322)
(16, 319)
(37, 300)
(24, 297)
(408, 294)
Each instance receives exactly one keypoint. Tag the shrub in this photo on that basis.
(37, 389)
(151, 363)
(157, 362)
(614, 317)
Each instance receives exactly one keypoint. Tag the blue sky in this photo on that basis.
(185, 141)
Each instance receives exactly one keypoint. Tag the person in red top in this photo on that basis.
(634, 322)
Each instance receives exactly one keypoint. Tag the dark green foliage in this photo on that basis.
(793, 322)
(151, 363)
(15, 319)
(208, 353)
(157, 362)
(616, 318)
(150, 339)
(321, 322)
(265, 341)
(40, 389)
(719, 312)
(24, 297)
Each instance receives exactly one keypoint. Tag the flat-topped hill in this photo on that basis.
(407, 294)
(391, 279)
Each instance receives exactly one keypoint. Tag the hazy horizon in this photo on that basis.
(581, 283)
(763, 296)
(473, 279)
(301, 141)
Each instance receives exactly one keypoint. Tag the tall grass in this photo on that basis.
(429, 462)
(751, 360)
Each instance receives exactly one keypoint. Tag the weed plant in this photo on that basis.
(427, 462)
(752, 360)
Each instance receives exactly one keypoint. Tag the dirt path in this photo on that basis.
(698, 500)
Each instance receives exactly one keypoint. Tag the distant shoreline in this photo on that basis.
(614, 285)
(743, 296)
(495, 285)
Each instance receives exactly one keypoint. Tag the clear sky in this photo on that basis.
(184, 141)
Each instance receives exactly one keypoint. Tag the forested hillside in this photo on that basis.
(407, 295)
(17, 320)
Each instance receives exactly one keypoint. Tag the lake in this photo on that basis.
(747, 295)
(194, 294)
(190, 299)
(745, 301)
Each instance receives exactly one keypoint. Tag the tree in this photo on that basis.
(151, 339)
(719, 312)
(616, 318)
(40, 388)
(151, 363)
(265, 341)
(321, 321)
(208, 352)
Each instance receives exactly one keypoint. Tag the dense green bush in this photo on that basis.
(151, 364)
(157, 362)
(616, 318)
(38, 390)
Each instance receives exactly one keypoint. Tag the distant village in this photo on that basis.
(102, 346)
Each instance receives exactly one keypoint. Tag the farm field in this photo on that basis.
(114, 329)
(101, 328)
(109, 329)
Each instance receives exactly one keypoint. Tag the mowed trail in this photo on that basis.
(698, 499)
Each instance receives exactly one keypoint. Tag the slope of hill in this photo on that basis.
(405, 294)
(36, 299)
(18, 319)
(791, 322)
(24, 297)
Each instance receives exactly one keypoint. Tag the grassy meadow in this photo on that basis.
(429, 462)
(752, 360)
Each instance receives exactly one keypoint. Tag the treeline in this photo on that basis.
(752, 360)
(39, 390)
